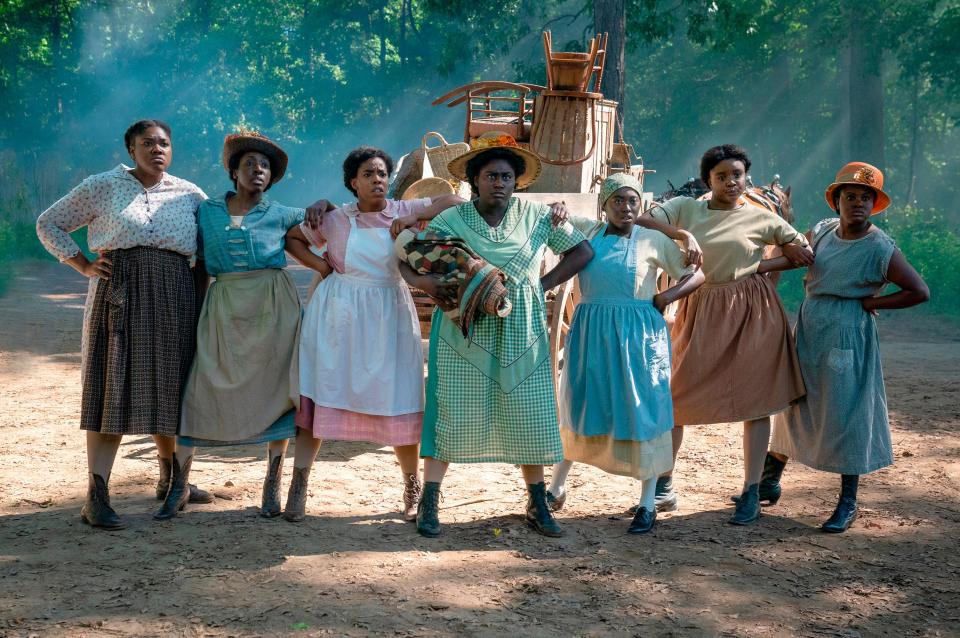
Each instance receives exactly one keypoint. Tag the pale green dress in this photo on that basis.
(492, 398)
(841, 425)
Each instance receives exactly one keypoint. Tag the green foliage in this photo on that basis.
(932, 246)
(321, 77)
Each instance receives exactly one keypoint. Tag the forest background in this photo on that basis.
(803, 85)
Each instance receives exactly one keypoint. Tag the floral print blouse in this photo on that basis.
(120, 213)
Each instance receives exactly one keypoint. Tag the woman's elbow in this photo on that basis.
(921, 294)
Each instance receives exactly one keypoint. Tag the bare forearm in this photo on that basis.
(411, 276)
(896, 300)
(78, 262)
(301, 252)
(573, 262)
(437, 206)
(775, 264)
(670, 231)
(682, 288)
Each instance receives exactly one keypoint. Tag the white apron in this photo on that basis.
(360, 347)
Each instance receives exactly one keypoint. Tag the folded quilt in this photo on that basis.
(480, 287)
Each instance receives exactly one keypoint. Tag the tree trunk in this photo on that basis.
(610, 17)
(914, 142)
(865, 88)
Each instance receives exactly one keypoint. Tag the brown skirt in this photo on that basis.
(733, 356)
(139, 343)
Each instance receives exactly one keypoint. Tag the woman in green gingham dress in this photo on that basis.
(490, 397)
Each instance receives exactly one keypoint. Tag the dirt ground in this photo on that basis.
(354, 568)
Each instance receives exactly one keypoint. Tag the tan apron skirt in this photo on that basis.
(245, 373)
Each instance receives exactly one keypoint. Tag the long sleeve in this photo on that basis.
(72, 211)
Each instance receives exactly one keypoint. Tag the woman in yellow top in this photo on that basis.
(733, 358)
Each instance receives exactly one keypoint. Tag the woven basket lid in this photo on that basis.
(428, 187)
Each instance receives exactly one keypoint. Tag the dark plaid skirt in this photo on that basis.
(140, 340)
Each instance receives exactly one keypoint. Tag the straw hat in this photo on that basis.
(245, 141)
(428, 187)
(491, 140)
(860, 174)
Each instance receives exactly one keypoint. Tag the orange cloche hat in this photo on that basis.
(860, 174)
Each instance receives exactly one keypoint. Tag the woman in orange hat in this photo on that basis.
(841, 425)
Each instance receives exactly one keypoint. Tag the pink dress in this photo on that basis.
(361, 358)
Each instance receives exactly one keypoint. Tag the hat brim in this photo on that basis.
(247, 143)
(458, 165)
(880, 201)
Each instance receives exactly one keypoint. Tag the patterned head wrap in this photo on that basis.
(615, 182)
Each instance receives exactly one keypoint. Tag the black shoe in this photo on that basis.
(556, 502)
(270, 499)
(179, 493)
(296, 507)
(664, 498)
(163, 485)
(748, 506)
(846, 511)
(428, 511)
(96, 512)
(769, 481)
(539, 516)
(643, 521)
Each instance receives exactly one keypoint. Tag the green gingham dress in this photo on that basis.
(491, 399)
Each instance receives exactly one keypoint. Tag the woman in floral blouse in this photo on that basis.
(139, 319)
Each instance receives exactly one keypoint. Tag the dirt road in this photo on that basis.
(354, 568)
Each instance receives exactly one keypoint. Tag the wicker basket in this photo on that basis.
(412, 168)
(440, 156)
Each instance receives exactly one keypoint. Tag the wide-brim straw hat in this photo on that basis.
(428, 187)
(246, 141)
(492, 140)
(860, 174)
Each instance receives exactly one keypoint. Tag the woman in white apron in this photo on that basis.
(361, 359)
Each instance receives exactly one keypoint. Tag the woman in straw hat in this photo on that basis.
(841, 424)
(361, 358)
(243, 385)
(491, 398)
(139, 318)
(733, 357)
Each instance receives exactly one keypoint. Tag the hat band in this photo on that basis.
(861, 176)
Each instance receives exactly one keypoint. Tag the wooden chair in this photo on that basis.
(495, 106)
(571, 71)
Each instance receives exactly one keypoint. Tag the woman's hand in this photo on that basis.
(315, 212)
(402, 223)
(660, 302)
(867, 303)
(100, 267)
(798, 255)
(694, 253)
(558, 213)
(439, 289)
